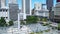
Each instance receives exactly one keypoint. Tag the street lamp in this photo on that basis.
(18, 22)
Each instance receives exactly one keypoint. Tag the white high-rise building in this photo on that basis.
(40, 10)
(37, 6)
(3, 9)
(2, 3)
(26, 7)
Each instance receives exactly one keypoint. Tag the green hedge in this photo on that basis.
(31, 19)
(58, 26)
(44, 19)
(11, 23)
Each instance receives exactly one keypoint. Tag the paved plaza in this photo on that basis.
(26, 29)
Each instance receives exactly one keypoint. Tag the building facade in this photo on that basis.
(23, 9)
(4, 13)
(49, 4)
(26, 7)
(42, 13)
(13, 10)
(2, 3)
(37, 6)
(40, 10)
(58, 0)
(4, 10)
(56, 10)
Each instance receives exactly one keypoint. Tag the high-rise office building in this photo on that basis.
(2, 3)
(58, 0)
(26, 7)
(13, 10)
(49, 4)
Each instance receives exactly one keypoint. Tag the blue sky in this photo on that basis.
(33, 1)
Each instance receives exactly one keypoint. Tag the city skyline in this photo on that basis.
(33, 1)
(32, 4)
(29, 16)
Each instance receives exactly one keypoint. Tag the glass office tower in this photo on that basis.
(26, 7)
(58, 0)
(13, 10)
(49, 4)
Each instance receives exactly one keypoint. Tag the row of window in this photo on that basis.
(3, 10)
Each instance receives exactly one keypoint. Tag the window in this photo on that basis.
(0, 10)
(38, 7)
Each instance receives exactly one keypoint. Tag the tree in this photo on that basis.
(31, 19)
(2, 22)
(10, 23)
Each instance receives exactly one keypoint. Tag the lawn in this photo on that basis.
(37, 33)
(58, 26)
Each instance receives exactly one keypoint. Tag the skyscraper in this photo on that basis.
(49, 4)
(2, 3)
(58, 0)
(26, 7)
(13, 9)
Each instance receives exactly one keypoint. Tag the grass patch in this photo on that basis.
(47, 30)
(45, 24)
(37, 33)
(58, 26)
(41, 32)
(32, 33)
